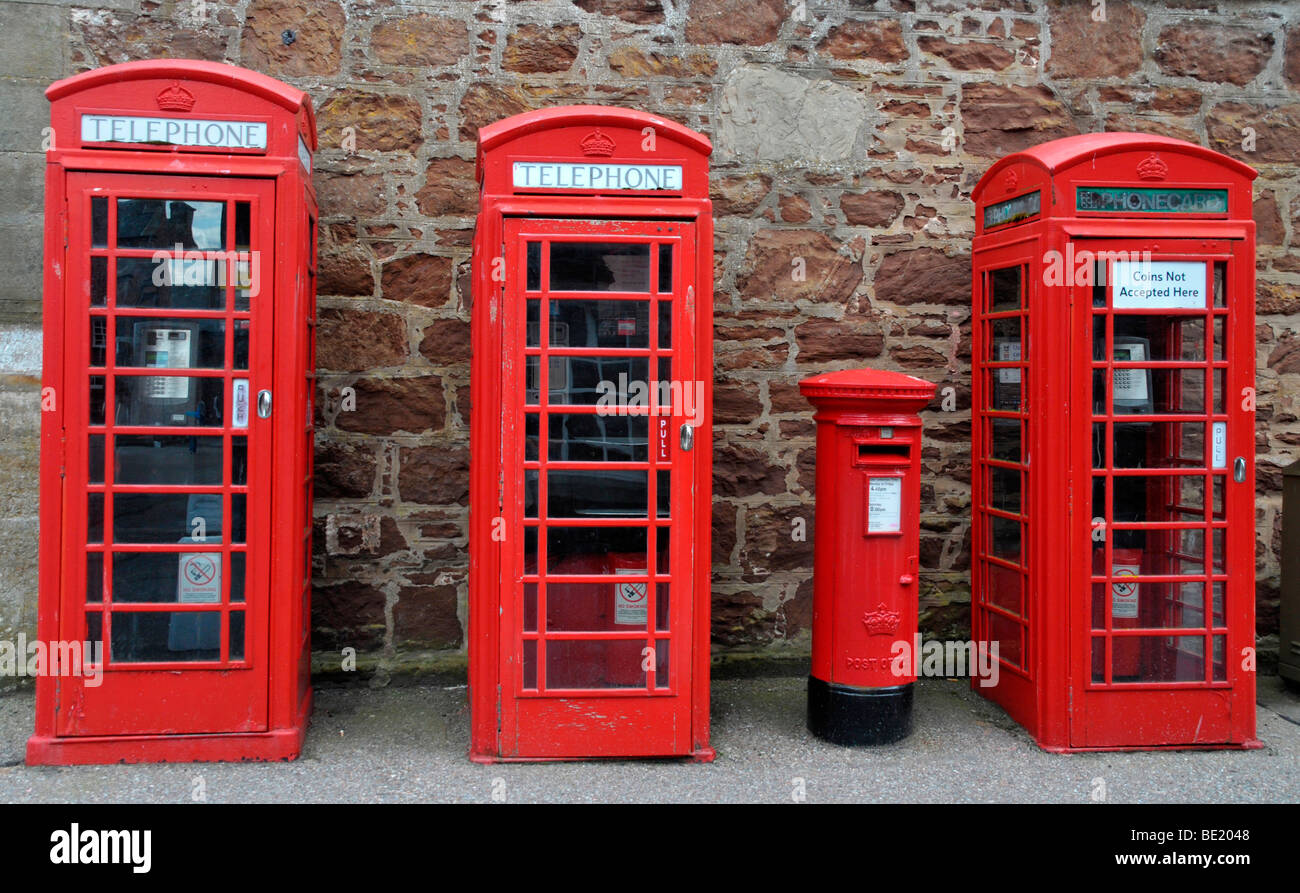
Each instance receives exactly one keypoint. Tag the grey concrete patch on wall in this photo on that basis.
(771, 115)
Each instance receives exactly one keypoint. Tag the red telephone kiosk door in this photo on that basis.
(1168, 381)
(596, 636)
(167, 501)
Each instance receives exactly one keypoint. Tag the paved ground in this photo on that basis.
(409, 745)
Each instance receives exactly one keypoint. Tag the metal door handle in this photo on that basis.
(263, 404)
(687, 438)
(1239, 469)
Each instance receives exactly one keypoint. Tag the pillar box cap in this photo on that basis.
(868, 390)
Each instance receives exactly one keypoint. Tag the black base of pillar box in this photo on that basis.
(842, 714)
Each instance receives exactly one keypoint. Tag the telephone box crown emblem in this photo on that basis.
(175, 99)
(1010, 181)
(882, 621)
(1152, 168)
(596, 143)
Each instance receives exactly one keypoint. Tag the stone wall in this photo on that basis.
(848, 134)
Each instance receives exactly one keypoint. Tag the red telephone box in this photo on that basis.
(589, 547)
(176, 444)
(867, 553)
(1113, 441)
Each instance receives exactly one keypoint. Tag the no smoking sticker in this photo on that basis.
(630, 599)
(199, 578)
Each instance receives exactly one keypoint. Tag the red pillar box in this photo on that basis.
(590, 472)
(866, 553)
(1113, 442)
(176, 441)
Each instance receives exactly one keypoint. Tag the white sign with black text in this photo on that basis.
(1158, 285)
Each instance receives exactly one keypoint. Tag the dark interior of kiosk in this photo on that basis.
(192, 275)
(576, 321)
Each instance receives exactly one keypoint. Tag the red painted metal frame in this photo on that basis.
(1051, 692)
(281, 357)
(556, 134)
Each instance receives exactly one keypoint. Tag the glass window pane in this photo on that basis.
(530, 493)
(1159, 444)
(167, 517)
(96, 403)
(238, 517)
(583, 323)
(1009, 636)
(665, 267)
(533, 281)
(1005, 289)
(1002, 389)
(172, 577)
(1140, 391)
(531, 437)
(594, 664)
(95, 449)
(170, 223)
(239, 460)
(1004, 538)
(170, 344)
(532, 328)
(98, 281)
(235, 649)
(663, 546)
(661, 663)
(238, 575)
(176, 459)
(597, 438)
(240, 360)
(663, 605)
(665, 325)
(186, 283)
(244, 228)
(94, 577)
(159, 636)
(95, 629)
(1005, 435)
(94, 517)
(594, 550)
(600, 266)
(1006, 588)
(589, 381)
(597, 494)
(1143, 338)
(530, 663)
(99, 221)
(179, 401)
(98, 341)
(1004, 489)
(592, 607)
(1004, 340)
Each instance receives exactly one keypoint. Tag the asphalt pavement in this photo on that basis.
(409, 744)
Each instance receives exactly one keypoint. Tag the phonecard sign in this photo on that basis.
(199, 578)
(884, 505)
(1158, 285)
(630, 598)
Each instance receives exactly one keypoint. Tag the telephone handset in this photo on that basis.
(167, 349)
(1006, 393)
(1131, 388)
